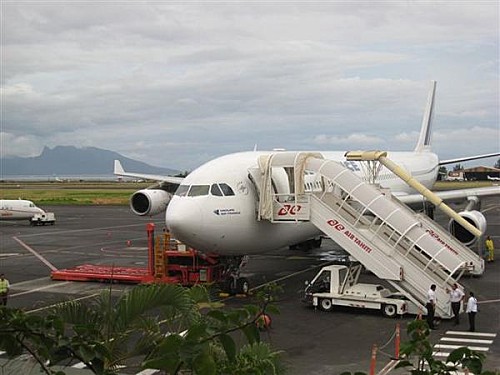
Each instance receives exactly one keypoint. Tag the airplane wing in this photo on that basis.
(119, 171)
(467, 158)
(456, 195)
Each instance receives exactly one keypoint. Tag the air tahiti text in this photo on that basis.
(341, 228)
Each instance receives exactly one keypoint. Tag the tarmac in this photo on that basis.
(312, 341)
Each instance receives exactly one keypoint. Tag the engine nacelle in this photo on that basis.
(475, 218)
(149, 201)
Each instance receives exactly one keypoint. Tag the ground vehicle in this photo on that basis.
(46, 218)
(169, 261)
(337, 285)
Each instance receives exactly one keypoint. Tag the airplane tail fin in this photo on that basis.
(424, 139)
(118, 168)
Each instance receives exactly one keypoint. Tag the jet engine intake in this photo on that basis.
(475, 218)
(149, 201)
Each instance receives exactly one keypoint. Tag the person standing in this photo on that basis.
(4, 289)
(456, 298)
(430, 306)
(490, 248)
(471, 311)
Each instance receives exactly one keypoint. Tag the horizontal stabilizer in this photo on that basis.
(119, 171)
(467, 158)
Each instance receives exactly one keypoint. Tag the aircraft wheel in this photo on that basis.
(326, 304)
(229, 286)
(390, 311)
(317, 242)
(242, 285)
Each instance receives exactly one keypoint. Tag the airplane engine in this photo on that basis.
(149, 201)
(475, 218)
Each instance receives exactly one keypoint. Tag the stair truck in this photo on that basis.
(337, 285)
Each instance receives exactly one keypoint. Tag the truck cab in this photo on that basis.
(338, 285)
(46, 218)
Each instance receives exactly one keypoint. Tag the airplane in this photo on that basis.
(493, 178)
(18, 209)
(213, 209)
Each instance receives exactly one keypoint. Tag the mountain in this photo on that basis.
(72, 161)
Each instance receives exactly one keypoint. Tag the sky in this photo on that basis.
(177, 83)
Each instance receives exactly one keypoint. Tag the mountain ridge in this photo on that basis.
(70, 160)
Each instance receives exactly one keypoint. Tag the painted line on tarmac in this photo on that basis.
(55, 233)
(488, 301)
(467, 333)
(61, 303)
(291, 275)
(38, 289)
(470, 341)
(44, 261)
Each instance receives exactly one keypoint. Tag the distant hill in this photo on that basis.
(72, 161)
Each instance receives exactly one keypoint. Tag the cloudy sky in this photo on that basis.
(176, 83)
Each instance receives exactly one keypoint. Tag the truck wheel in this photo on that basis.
(390, 311)
(242, 285)
(325, 304)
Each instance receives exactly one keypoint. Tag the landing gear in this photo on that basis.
(310, 244)
(233, 283)
(429, 209)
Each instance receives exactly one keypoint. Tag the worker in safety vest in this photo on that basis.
(490, 247)
(4, 290)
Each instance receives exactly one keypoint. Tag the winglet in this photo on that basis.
(118, 168)
(424, 139)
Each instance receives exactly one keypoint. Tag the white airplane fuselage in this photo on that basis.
(18, 209)
(227, 224)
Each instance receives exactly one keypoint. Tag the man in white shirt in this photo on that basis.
(456, 298)
(471, 311)
(430, 306)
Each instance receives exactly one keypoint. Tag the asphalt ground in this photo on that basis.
(312, 341)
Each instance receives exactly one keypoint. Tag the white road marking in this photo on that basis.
(44, 261)
(147, 371)
(467, 333)
(471, 341)
(478, 348)
(39, 289)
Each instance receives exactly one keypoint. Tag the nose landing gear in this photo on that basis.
(233, 283)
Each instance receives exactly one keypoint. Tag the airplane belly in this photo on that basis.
(234, 239)
(229, 229)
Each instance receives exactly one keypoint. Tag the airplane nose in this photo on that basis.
(183, 219)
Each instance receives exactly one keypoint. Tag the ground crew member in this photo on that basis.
(456, 298)
(430, 306)
(4, 290)
(472, 311)
(490, 248)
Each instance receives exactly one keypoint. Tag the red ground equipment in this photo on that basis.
(166, 264)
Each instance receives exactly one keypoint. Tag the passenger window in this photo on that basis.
(215, 190)
(198, 190)
(182, 190)
(226, 189)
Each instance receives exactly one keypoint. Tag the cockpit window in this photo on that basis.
(197, 190)
(182, 190)
(215, 190)
(226, 189)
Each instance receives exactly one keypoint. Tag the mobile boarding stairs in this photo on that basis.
(405, 248)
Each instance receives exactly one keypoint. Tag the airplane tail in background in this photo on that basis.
(424, 140)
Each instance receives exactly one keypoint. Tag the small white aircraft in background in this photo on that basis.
(493, 178)
(18, 209)
(214, 208)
